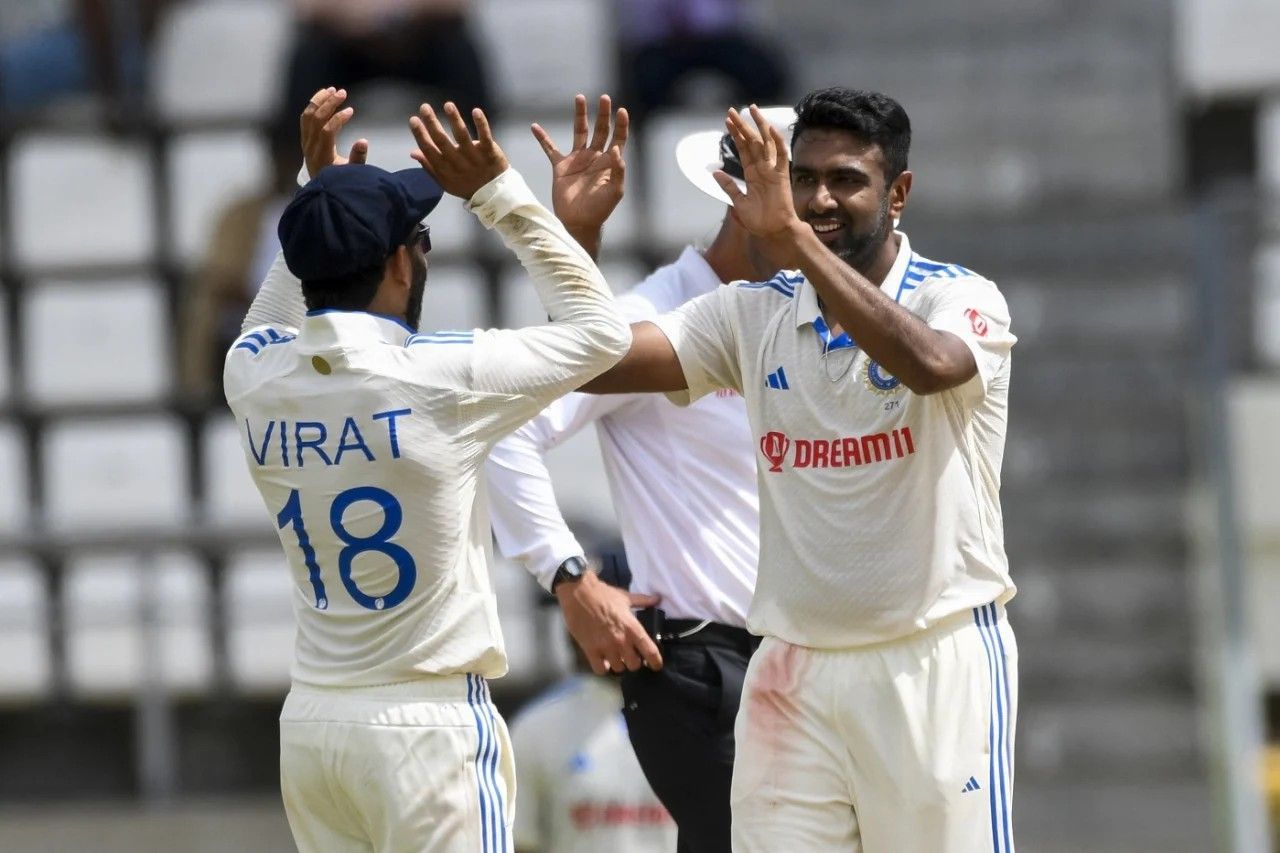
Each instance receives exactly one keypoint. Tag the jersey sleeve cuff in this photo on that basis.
(498, 198)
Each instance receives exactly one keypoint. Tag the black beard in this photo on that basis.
(859, 250)
(417, 287)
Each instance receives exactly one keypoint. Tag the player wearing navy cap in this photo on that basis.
(366, 440)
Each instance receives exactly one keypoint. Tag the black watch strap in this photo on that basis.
(570, 570)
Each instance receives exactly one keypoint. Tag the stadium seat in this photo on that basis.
(543, 53)
(107, 644)
(453, 229)
(679, 213)
(219, 59)
(25, 666)
(80, 201)
(115, 474)
(95, 342)
(258, 594)
(526, 155)
(15, 495)
(230, 497)
(456, 298)
(521, 306)
(208, 171)
(5, 386)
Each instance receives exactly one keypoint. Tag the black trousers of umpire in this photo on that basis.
(680, 720)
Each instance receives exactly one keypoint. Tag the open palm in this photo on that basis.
(766, 209)
(587, 183)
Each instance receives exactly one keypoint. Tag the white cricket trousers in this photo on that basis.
(900, 747)
(419, 767)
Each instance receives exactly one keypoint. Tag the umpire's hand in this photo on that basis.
(600, 619)
(460, 165)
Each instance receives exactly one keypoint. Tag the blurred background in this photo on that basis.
(1114, 166)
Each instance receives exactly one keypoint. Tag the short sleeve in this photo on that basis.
(974, 310)
(705, 339)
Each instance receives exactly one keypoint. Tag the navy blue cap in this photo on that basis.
(352, 217)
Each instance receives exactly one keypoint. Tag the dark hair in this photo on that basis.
(870, 116)
(351, 292)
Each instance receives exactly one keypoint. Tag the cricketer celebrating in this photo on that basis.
(367, 441)
(878, 713)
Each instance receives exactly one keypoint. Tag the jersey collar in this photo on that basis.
(327, 327)
(808, 312)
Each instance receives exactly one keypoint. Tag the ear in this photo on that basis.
(898, 192)
(400, 268)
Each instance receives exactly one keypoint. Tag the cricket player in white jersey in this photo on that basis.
(366, 441)
(878, 714)
(684, 484)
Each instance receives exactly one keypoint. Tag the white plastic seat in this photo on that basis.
(456, 298)
(527, 157)
(25, 667)
(453, 229)
(230, 497)
(115, 473)
(4, 349)
(521, 306)
(207, 172)
(15, 495)
(679, 213)
(258, 593)
(102, 341)
(543, 53)
(219, 59)
(80, 200)
(108, 653)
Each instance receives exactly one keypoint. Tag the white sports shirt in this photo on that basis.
(367, 442)
(581, 787)
(879, 509)
(683, 479)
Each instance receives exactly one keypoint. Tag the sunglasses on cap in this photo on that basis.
(422, 237)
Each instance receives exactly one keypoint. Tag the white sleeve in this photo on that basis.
(706, 342)
(524, 370)
(527, 522)
(973, 310)
(279, 301)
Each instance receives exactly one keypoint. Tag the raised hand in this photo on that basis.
(460, 165)
(587, 183)
(320, 123)
(766, 209)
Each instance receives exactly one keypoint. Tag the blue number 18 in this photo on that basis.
(380, 542)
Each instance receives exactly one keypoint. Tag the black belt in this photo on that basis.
(709, 634)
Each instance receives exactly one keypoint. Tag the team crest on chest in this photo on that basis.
(880, 380)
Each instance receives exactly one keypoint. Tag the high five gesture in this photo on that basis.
(766, 209)
(461, 165)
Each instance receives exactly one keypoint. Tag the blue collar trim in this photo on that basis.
(401, 323)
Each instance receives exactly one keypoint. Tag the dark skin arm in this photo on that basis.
(926, 360)
(651, 365)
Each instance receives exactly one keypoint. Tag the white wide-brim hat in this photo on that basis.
(700, 155)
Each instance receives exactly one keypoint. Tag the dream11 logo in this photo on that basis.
(774, 446)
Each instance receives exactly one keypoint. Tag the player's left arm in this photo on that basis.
(279, 302)
(927, 360)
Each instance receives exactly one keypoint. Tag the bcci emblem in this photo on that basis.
(880, 381)
(774, 446)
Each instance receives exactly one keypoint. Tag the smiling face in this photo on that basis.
(839, 185)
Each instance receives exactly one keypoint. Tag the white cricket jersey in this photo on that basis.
(581, 789)
(367, 443)
(683, 479)
(879, 508)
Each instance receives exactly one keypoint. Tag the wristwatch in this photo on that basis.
(571, 570)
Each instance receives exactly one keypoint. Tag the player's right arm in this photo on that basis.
(528, 368)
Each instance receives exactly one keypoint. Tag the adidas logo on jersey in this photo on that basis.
(778, 380)
(971, 785)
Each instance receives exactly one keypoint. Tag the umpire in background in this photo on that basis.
(684, 484)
